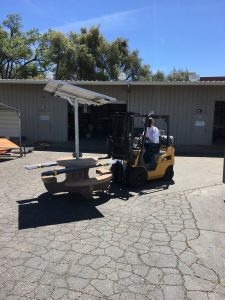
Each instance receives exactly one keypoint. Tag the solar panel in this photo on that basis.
(72, 92)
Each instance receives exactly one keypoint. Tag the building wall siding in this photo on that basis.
(119, 92)
(32, 102)
(180, 102)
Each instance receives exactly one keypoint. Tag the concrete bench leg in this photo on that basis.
(86, 192)
(53, 187)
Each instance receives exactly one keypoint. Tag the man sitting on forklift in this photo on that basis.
(151, 144)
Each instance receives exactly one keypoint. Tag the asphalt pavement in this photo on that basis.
(165, 241)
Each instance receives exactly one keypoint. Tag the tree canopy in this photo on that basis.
(19, 51)
(74, 56)
(178, 75)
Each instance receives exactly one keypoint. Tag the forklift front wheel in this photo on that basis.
(136, 177)
(168, 174)
(117, 171)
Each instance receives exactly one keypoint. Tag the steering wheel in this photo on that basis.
(137, 142)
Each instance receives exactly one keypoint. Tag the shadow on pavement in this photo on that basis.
(155, 186)
(56, 209)
(50, 209)
(115, 191)
(124, 193)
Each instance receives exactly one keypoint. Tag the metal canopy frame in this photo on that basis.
(19, 123)
(75, 95)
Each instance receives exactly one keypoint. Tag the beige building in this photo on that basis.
(196, 109)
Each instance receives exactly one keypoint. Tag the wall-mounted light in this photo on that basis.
(199, 110)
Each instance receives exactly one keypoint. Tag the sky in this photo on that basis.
(185, 34)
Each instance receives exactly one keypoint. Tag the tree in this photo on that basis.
(158, 76)
(19, 52)
(89, 56)
(57, 54)
(178, 75)
(119, 59)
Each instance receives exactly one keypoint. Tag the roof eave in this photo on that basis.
(119, 83)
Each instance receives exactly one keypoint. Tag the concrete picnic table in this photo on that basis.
(78, 181)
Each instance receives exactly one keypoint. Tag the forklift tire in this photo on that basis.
(137, 177)
(168, 174)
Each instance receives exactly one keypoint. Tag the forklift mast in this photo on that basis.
(120, 140)
(121, 137)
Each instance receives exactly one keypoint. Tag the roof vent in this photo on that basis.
(193, 77)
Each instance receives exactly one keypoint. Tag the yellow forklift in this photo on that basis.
(134, 165)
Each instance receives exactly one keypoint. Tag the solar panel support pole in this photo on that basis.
(76, 154)
(20, 137)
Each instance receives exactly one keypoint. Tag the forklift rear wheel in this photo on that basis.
(136, 177)
(169, 173)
